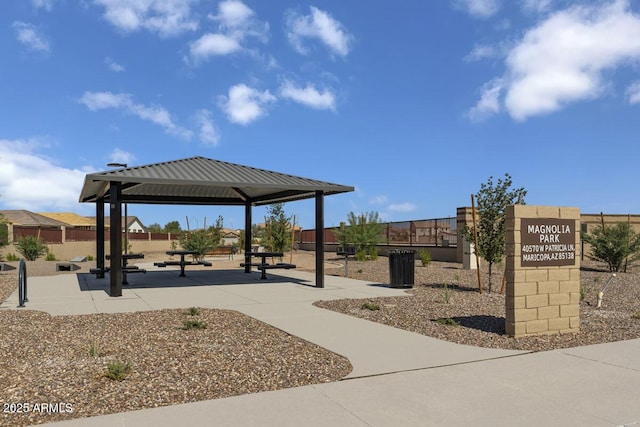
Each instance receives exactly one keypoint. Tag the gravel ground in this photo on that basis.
(47, 359)
(481, 318)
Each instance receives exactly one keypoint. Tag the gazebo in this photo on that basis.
(197, 181)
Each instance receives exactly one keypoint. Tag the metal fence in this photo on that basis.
(426, 232)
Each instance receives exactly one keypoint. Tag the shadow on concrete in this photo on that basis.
(491, 324)
(171, 279)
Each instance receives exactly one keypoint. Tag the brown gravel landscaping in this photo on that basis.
(63, 359)
(481, 317)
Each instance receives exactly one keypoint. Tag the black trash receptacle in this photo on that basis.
(401, 268)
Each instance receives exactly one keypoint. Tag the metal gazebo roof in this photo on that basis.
(199, 180)
(196, 181)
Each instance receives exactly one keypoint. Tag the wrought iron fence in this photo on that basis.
(426, 232)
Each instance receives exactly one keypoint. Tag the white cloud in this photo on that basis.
(165, 17)
(489, 103)
(113, 65)
(536, 5)
(633, 93)
(309, 96)
(233, 14)
(207, 130)
(562, 60)
(30, 37)
(402, 207)
(29, 180)
(479, 8)
(121, 156)
(43, 4)
(318, 25)
(95, 101)
(481, 52)
(236, 23)
(379, 200)
(213, 44)
(245, 104)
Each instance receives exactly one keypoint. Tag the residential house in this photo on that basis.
(27, 218)
(72, 219)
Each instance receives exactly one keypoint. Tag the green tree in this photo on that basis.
(257, 234)
(278, 229)
(154, 228)
(31, 247)
(172, 227)
(363, 231)
(492, 201)
(616, 245)
(202, 240)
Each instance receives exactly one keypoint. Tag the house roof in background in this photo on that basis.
(199, 180)
(31, 219)
(70, 218)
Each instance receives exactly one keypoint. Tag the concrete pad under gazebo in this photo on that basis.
(197, 181)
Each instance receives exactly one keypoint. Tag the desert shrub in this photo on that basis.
(194, 324)
(193, 311)
(31, 248)
(370, 306)
(50, 256)
(12, 257)
(117, 370)
(615, 245)
(425, 257)
(95, 349)
(447, 321)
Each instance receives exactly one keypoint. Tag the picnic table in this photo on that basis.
(264, 265)
(126, 268)
(182, 263)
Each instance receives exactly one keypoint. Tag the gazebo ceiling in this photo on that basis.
(199, 180)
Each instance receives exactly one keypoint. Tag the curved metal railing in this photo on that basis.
(22, 283)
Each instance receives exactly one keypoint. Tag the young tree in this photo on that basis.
(202, 240)
(614, 245)
(364, 232)
(492, 201)
(278, 229)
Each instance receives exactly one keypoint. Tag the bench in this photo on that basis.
(222, 251)
(67, 266)
(182, 264)
(263, 267)
(346, 251)
(125, 270)
(130, 269)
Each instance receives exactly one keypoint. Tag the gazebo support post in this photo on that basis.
(100, 238)
(319, 239)
(115, 233)
(247, 237)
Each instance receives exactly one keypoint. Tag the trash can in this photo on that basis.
(401, 268)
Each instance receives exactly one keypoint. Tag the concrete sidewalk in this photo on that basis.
(398, 377)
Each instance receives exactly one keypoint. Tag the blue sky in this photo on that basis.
(414, 103)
